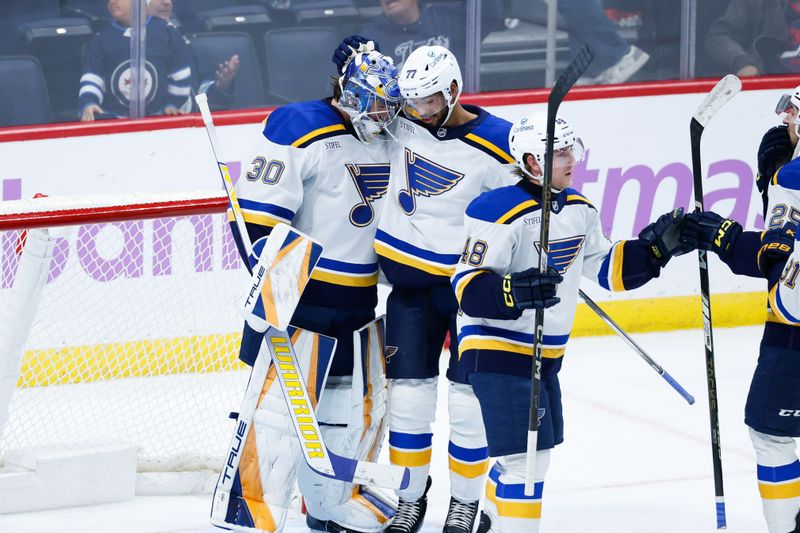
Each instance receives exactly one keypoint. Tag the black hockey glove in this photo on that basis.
(663, 236)
(777, 245)
(530, 289)
(774, 151)
(349, 47)
(706, 230)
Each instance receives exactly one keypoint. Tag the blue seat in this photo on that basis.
(299, 62)
(211, 49)
(23, 93)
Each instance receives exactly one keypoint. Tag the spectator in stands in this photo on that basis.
(615, 60)
(105, 86)
(220, 88)
(405, 25)
(757, 37)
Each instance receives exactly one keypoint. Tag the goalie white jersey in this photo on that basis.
(502, 228)
(434, 177)
(784, 206)
(311, 171)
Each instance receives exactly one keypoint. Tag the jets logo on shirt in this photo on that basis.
(372, 182)
(563, 252)
(122, 82)
(425, 178)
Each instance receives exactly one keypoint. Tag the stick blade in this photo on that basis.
(723, 91)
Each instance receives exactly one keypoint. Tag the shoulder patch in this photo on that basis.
(788, 176)
(491, 137)
(502, 206)
(303, 123)
(574, 197)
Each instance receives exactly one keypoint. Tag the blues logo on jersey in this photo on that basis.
(563, 252)
(425, 178)
(372, 182)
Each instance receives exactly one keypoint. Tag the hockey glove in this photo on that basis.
(706, 230)
(663, 236)
(774, 151)
(777, 245)
(349, 47)
(530, 289)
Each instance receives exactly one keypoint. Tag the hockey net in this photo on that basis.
(136, 335)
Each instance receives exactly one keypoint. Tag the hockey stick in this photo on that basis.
(723, 91)
(564, 83)
(636, 348)
(320, 459)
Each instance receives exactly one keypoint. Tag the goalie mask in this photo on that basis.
(425, 83)
(529, 136)
(370, 95)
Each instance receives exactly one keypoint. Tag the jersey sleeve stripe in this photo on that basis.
(318, 134)
(778, 308)
(488, 147)
(461, 281)
(618, 252)
(518, 211)
(278, 211)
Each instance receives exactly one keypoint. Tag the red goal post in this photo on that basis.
(136, 335)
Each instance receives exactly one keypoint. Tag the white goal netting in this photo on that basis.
(136, 336)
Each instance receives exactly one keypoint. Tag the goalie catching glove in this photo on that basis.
(348, 49)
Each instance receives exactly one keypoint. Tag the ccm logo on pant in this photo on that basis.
(789, 412)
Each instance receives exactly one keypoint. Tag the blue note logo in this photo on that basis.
(563, 252)
(372, 182)
(425, 178)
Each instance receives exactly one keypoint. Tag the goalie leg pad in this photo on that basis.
(509, 510)
(351, 415)
(412, 410)
(468, 452)
(778, 474)
(255, 486)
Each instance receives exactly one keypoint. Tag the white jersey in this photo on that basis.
(502, 236)
(784, 206)
(434, 176)
(311, 171)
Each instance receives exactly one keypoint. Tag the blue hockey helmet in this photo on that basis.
(370, 94)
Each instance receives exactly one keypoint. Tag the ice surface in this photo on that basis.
(636, 458)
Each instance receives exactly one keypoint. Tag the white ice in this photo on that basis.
(636, 457)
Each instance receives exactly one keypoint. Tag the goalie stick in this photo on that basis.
(722, 92)
(636, 348)
(322, 461)
(564, 83)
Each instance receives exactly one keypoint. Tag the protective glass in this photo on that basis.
(425, 107)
